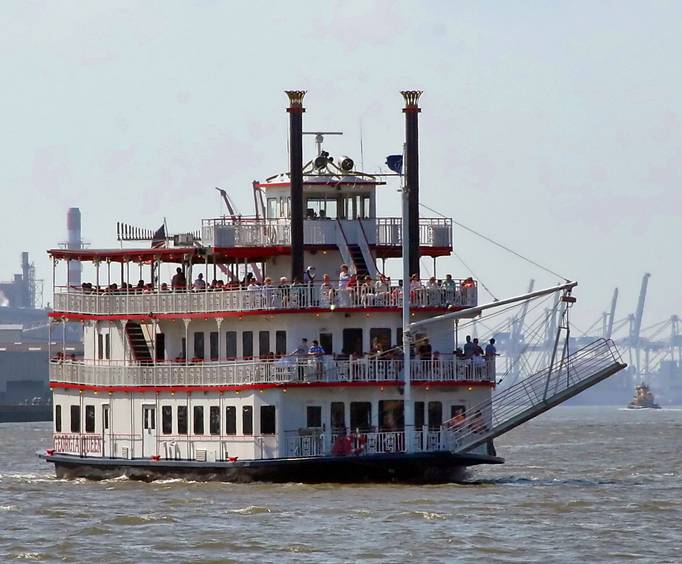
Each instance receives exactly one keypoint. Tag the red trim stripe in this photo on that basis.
(245, 387)
(225, 314)
(329, 182)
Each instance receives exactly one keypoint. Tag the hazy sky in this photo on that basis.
(554, 127)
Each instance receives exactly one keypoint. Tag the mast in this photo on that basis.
(408, 411)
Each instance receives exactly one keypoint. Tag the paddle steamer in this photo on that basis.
(200, 370)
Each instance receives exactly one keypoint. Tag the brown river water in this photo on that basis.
(581, 484)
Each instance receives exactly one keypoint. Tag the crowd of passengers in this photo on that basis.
(471, 352)
(344, 289)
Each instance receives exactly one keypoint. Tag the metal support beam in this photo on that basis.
(468, 312)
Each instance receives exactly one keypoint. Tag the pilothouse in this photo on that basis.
(275, 347)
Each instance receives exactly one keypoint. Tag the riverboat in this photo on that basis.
(202, 370)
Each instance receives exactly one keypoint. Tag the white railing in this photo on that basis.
(433, 232)
(533, 395)
(312, 442)
(282, 371)
(383, 231)
(258, 298)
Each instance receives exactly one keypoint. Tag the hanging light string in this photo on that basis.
(493, 296)
(500, 245)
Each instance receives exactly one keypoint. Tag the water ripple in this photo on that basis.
(579, 484)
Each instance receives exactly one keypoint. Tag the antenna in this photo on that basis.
(362, 152)
(319, 137)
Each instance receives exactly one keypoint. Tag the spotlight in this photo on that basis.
(347, 164)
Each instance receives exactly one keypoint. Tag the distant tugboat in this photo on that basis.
(643, 399)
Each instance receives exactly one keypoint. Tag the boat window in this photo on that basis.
(263, 343)
(457, 410)
(418, 415)
(149, 416)
(167, 419)
(327, 342)
(435, 415)
(58, 418)
(100, 346)
(360, 416)
(338, 416)
(356, 206)
(267, 420)
(391, 415)
(348, 209)
(247, 420)
(75, 419)
(105, 417)
(380, 337)
(213, 344)
(231, 345)
(183, 346)
(198, 422)
(89, 418)
(182, 420)
(107, 346)
(214, 420)
(313, 416)
(280, 342)
(247, 344)
(230, 420)
(321, 207)
(273, 208)
(199, 345)
(160, 347)
(352, 341)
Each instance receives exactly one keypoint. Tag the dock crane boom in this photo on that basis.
(612, 314)
(636, 322)
(516, 334)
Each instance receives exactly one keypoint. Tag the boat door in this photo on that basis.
(148, 430)
(107, 444)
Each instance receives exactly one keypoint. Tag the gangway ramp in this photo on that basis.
(512, 406)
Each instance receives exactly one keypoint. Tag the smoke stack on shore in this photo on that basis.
(411, 111)
(74, 241)
(295, 111)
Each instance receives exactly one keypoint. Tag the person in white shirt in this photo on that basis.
(344, 281)
(344, 277)
(326, 291)
(381, 288)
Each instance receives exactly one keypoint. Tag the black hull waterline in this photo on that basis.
(421, 468)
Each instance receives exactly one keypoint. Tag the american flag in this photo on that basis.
(159, 238)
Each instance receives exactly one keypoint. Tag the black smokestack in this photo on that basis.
(296, 110)
(411, 111)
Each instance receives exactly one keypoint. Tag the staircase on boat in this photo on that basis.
(357, 255)
(138, 343)
(358, 261)
(512, 406)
